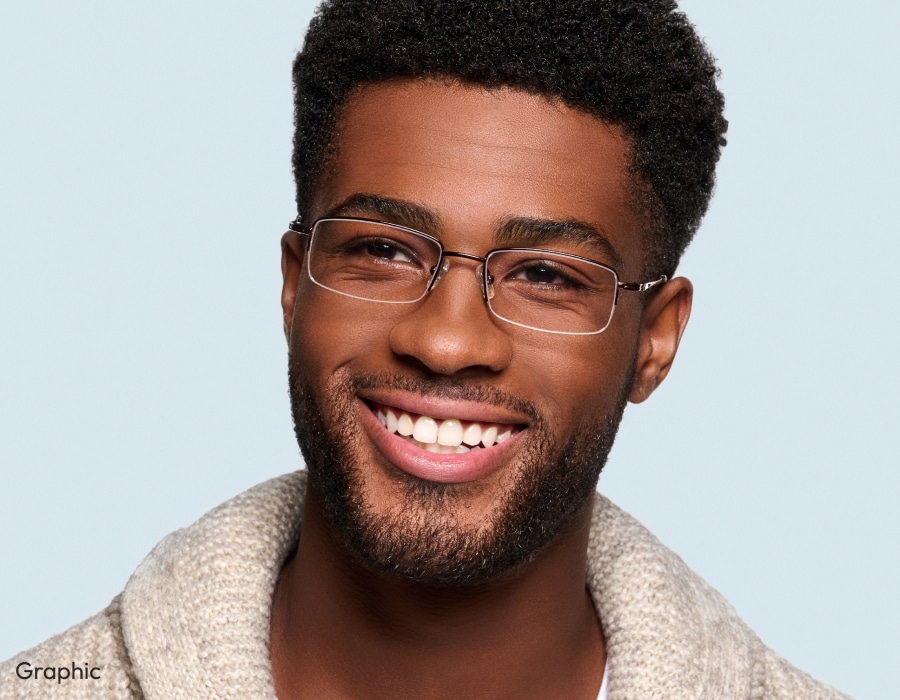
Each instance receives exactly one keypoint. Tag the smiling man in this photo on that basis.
(492, 200)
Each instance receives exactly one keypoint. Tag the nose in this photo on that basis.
(451, 331)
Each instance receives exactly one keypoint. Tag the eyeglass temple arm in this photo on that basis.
(642, 286)
(297, 226)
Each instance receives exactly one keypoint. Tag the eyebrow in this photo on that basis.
(394, 211)
(515, 232)
(527, 231)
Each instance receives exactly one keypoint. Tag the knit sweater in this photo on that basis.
(193, 620)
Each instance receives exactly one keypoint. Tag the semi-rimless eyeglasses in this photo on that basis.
(538, 289)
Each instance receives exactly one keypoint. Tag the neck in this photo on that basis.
(340, 630)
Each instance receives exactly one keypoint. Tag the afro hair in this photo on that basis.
(637, 64)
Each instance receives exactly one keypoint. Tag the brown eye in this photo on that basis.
(387, 251)
(379, 248)
(541, 273)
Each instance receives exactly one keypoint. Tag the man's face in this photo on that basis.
(461, 162)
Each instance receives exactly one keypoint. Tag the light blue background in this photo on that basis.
(145, 182)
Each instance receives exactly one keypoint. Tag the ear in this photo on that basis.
(662, 324)
(293, 249)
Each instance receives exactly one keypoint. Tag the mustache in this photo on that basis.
(451, 388)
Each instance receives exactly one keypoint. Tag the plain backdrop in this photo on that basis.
(145, 183)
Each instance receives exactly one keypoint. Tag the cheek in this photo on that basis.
(329, 330)
(582, 379)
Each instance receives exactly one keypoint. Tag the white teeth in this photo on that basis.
(444, 437)
(450, 433)
(472, 435)
(391, 421)
(405, 425)
(426, 429)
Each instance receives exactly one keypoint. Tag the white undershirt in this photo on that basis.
(604, 693)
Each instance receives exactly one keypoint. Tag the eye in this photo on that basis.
(542, 273)
(387, 251)
(381, 248)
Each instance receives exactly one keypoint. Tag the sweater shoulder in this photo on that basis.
(88, 661)
(669, 633)
(775, 678)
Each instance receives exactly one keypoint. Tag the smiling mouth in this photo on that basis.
(447, 436)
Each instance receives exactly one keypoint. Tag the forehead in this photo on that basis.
(475, 158)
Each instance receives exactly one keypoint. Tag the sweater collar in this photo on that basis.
(195, 614)
(668, 633)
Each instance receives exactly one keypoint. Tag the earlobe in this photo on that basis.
(662, 324)
(292, 252)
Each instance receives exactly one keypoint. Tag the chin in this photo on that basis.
(423, 534)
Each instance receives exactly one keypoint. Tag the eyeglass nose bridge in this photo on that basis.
(485, 281)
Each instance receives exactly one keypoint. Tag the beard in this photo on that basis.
(422, 540)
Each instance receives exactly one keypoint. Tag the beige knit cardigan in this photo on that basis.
(193, 620)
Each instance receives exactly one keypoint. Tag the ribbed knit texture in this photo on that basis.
(668, 633)
(96, 641)
(193, 620)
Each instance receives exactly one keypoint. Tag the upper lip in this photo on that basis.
(441, 408)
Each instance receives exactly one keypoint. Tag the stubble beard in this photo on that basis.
(421, 540)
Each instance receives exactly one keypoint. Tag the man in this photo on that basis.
(492, 200)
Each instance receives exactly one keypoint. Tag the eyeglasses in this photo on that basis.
(543, 290)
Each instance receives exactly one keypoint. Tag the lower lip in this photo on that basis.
(430, 466)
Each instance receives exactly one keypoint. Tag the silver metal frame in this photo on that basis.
(442, 266)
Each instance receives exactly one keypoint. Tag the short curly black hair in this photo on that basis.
(638, 64)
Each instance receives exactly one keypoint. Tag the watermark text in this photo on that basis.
(85, 672)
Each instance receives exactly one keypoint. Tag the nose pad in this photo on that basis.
(442, 270)
(487, 289)
(486, 284)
